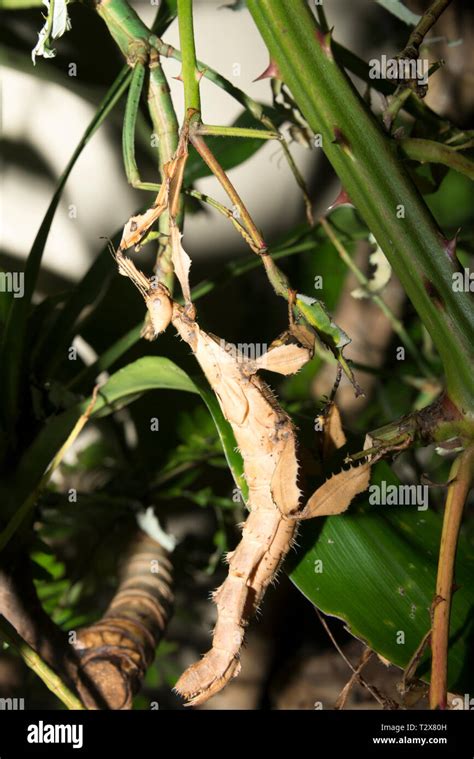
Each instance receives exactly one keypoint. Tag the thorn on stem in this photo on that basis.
(342, 199)
(324, 41)
(271, 72)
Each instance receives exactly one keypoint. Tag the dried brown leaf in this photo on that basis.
(335, 495)
(181, 262)
(333, 434)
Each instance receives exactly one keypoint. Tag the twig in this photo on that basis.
(428, 19)
(39, 667)
(410, 669)
(355, 677)
(373, 691)
(430, 151)
(461, 477)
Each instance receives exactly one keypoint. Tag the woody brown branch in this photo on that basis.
(108, 662)
(116, 651)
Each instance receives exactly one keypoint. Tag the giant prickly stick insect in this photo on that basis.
(267, 442)
(264, 433)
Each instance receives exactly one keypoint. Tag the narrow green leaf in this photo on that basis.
(51, 346)
(399, 10)
(12, 350)
(226, 435)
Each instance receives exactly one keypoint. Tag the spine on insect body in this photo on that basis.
(266, 439)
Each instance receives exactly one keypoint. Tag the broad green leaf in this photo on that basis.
(378, 574)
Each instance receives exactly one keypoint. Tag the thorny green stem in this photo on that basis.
(366, 162)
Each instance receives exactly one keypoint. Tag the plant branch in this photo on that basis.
(190, 73)
(365, 161)
(229, 131)
(460, 478)
(429, 151)
(428, 19)
(34, 661)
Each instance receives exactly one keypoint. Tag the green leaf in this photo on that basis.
(379, 576)
(149, 373)
(52, 345)
(12, 350)
(399, 10)
(226, 435)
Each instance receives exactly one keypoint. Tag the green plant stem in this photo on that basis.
(365, 161)
(397, 325)
(460, 479)
(192, 99)
(52, 681)
(256, 109)
(356, 65)
(429, 151)
(229, 131)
